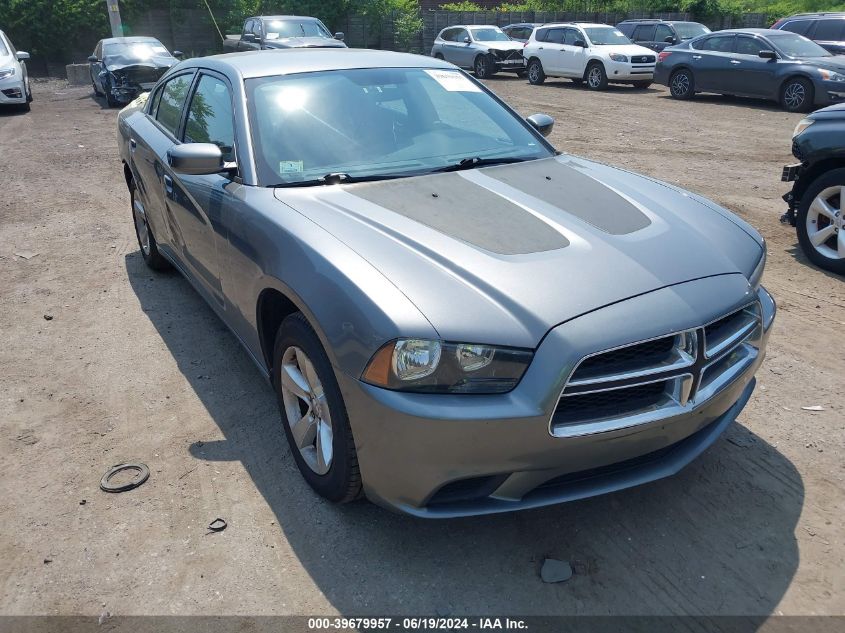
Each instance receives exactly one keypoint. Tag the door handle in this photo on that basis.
(735, 61)
(133, 143)
(168, 184)
(540, 48)
(696, 56)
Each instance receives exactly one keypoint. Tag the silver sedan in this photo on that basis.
(456, 318)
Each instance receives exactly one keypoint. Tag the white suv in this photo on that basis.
(596, 53)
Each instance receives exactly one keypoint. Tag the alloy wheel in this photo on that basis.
(307, 410)
(481, 67)
(826, 223)
(141, 226)
(794, 96)
(594, 77)
(534, 72)
(680, 84)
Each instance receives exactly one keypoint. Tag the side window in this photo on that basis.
(644, 33)
(627, 29)
(542, 35)
(798, 26)
(569, 37)
(663, 31)
(461, 35)
(717, 44)
(248, 26)
(173, 95)
(98, 52)
(210, 116)
(750, 46)
(448, 35)
(555, 36)
(256, 28)
(829, 30)
(153, 101)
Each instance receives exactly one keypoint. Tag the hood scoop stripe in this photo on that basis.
(465, 211)
(574, 192)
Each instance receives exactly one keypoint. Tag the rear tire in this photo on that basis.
(146, 241)
(682, 84)
(324, 449)
(797, 95)
(822, 237)
(596, 76)
(536, 76)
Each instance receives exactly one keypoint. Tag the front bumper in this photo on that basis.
(829, 92)
(12, 90)
(626, 71)
(441, 456)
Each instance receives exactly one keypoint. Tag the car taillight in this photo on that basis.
(662, 55)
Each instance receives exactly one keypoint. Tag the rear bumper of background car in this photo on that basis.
(441, 456)
(12, 90)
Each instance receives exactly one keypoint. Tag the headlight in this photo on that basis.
(803, 124)
(618, 58)
(757, 274)
(7, 72)
(427, 366)
(829, 75)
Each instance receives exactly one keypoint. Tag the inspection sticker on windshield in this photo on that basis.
(290, 166)
(453, 80)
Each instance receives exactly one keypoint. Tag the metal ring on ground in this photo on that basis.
(143, 475)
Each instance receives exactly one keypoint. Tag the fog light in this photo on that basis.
(13, 93)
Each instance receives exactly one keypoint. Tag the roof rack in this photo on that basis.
(643, 20)
(816, 13)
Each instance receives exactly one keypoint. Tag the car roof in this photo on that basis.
(251, 64)
(523, 24)
(581, 24)
(283, 17)
(821, 14)
(130, 39)
(749, 31)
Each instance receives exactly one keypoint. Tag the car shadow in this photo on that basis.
(730, 100)
(99, 100)
(12, 110)
(718, 538)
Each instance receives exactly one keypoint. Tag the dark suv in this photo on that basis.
(658, 34)
(825, 29)
(817, 200)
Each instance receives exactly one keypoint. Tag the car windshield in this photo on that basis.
(605, 36)
(689, 30)
(489, 35)
(793, 45)
(135, 50)
(379, 122)
(280, 29)
(3, 51)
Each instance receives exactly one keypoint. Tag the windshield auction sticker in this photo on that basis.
(453, 80)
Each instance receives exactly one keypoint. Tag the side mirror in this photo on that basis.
(467, 40)
(580, 43)
(196, 159)
(670, 39)
(768, 54)
(340, 35)
(249, 37)
(22, 55)
(93, 59)
(543, 123)
(178, 54)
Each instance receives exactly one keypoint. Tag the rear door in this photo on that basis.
(711, 62)
(644, 35)
(458, 51)
(551, 51)
(753, 75)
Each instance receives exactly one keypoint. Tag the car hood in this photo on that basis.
(129, 64)
(835, 63)
(502, 254)
(511, 45)
(627, 49)
(304, 42)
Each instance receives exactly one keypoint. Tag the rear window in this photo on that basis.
(829, 30)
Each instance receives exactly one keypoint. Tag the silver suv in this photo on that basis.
(485, 49)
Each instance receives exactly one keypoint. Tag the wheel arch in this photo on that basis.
(794, 75)
(590, 63)
(272, 307)
(815, 171)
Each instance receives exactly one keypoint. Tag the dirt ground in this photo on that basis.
(133, 366)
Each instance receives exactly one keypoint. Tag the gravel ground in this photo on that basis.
(133, 366)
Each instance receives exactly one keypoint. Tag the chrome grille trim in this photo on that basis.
(695, 370)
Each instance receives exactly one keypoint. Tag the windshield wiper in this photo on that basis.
(337, 178)
(475, 161)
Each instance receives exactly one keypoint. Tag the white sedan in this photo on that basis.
(14, 82)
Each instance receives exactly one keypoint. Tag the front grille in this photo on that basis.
(796, 151)
(642, 59)
(658, 378)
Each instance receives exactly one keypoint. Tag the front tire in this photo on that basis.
(536, 76)
(596, 76)
(797, 95)
(483, 67)
(313, 413)
(682, 84)
(819, 223)
(146, 240)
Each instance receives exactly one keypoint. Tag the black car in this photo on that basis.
(825, 29)
(123, 67)
(817, 200)
(764, 63)
(658, 34)
(521, 31)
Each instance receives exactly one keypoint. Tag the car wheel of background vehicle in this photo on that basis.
(682, 84)
(641, 85)
(146, 241)
(438, 56)
(28, 91)
(313, 412)
(596, 76)
(821, 221)
(483, 67)
(536, 76)
(797, 95)
(110, 100)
